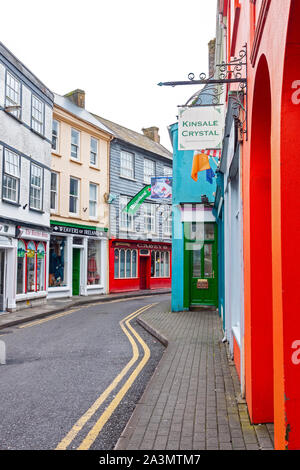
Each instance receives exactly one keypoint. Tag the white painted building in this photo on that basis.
(25, 167)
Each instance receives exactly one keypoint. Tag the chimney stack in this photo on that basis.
(152, 133)
(77, 97)
(211, 57)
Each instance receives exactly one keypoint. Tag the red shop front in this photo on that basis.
(139, 265)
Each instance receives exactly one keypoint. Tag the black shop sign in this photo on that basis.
(88, 232)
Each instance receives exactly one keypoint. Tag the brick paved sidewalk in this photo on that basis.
(192, 401)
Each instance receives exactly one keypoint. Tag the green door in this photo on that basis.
(201, 286)
(76, 271)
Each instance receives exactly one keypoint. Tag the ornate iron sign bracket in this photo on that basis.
(233, 73)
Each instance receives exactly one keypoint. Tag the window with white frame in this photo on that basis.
(54, 192)
(94, 152)
(167, 220)
(13, 95)
(126, 220)
(75, 144)
(149, 217)
(74, 196)
(37, 115)
(36, 187)
(127, 165)
(168, 171)
(149, 170)
(160, 263)
(93, 200)
(11, 176)
(125, 263)
(55, 135)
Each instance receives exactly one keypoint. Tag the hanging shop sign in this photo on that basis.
(161, 187)
(77, 230)
(137, 200)
(200, 127)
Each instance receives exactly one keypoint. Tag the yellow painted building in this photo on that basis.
(78, 250)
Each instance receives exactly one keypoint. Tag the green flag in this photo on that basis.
(137, 200)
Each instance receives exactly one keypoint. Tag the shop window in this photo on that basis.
(167, 264)
(94, 257)
(128, 263)
(122, 263)
(125, 263)
(31, 267)
(21, 267)
(117, 263)
(40, 267)
(134, 263)
(160, 264)
(57, 262)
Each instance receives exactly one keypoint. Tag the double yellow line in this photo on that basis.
(94, 432)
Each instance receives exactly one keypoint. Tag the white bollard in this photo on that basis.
(2, 353)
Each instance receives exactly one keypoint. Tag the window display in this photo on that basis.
(93, 264)
(21, 267)
(31, 267)
(40, 267)
(125, 262)
(57, 262)
(160, 264)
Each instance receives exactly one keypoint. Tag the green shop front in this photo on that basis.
(78, 260)
(200, 260)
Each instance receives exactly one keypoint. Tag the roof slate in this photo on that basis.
(135, 138)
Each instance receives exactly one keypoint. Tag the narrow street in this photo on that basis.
(72, 379)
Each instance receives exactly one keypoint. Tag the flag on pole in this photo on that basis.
(200, 163)
(137, 200)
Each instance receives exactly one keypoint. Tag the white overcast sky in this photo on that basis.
(115, 50)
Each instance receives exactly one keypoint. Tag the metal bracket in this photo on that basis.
(234, 72)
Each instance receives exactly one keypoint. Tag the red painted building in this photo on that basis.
(271, 208)
(138, 265)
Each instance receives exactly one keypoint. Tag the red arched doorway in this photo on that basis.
(259, 379)
(287, 282)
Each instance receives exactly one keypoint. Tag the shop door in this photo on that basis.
(76, 271)
(143, 272)
(204, 279)
(201, 276)
(2, 280)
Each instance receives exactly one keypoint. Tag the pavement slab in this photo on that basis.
(193, 400)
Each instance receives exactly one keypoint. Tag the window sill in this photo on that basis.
(40, 211)
(19, 120)
(74, 216)
(56, 154)
(58, 289)
(31, 295)
(94, 286)
(127, 178)
(11, 202)
(94, 167)
(76, 161)
(37, 133)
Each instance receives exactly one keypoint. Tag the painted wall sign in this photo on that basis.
(200, 127)
(32, 234)
(79, 231)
